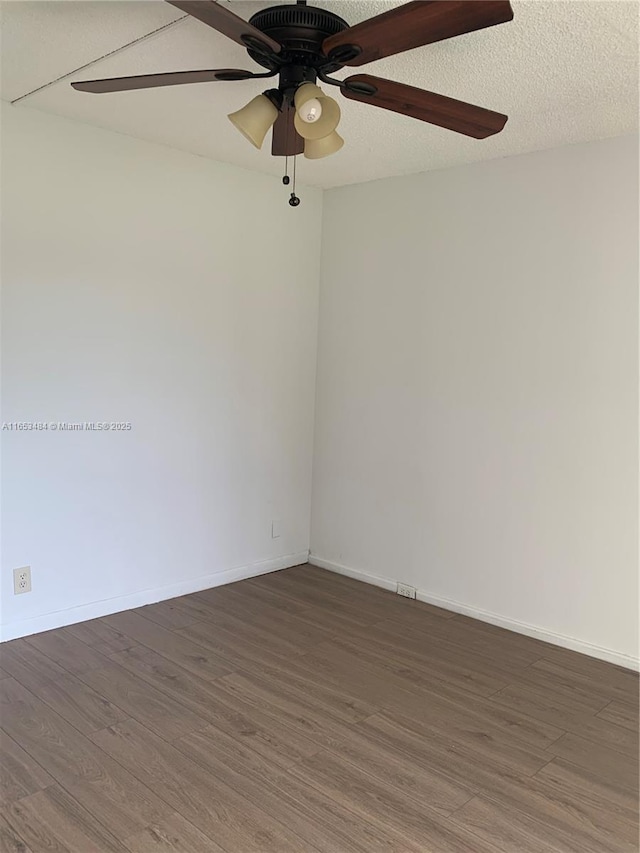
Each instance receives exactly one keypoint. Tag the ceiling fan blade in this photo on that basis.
(286, 141)
(224, 21)
(413, 25)
(426, 106)
(150, 81)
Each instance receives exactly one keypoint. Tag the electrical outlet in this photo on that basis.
(406, 590)
(275, 529)
(22, 580)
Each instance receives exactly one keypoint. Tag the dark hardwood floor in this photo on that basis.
(303, 711)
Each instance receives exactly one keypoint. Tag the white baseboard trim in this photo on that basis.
(356, 574)
(61, 618)
(609, 655)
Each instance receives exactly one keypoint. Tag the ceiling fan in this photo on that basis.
(303, 44)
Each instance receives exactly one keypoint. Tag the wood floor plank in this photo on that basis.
(297, 710)
(623, 714)
(408, 777)
(111, 794)
(366, 604)
(360, 671)
(10, 841)
(220, 706)
(422, 669)
(593, 791)
(258, 594)
(63, 648)
(594, 823)
(337, 828)
(336, 623)
(197, 608)
(251, 610)
(511, 830)
(203, 798)
(598, 691)
(20, 775)
(100, 636)
(167, 614)
(319, 598)
(53, 820)
(284, 632)
(346, 671)
(496, 645)
(377, 803)
(174, 834)
(470, 761)
(173, 645)
(309, 812)
(27, 665)
(11, 690)
(235, 650)
(295, 682)
(491, 721)
(452, 709)
(437, 645)
(609, 765)
(137, 698)
(551, 709)
(503, 637)
(598, 828)
(231, 626)
(553, 689)
(497, 777)
(79, 704)
(597, 670)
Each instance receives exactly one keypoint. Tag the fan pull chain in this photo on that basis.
(285, 179)
(294, 201)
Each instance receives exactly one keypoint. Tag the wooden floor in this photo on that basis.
(303, 711)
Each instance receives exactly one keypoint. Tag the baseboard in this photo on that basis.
(356, 574)
(561, 640)
(60, 618)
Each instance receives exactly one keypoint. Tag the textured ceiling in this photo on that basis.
(563, 71)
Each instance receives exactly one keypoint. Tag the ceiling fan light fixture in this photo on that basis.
(255, 119)
(315, 149)
(324, 121)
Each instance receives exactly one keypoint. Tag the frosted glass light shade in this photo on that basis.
(314, 149)
(328, 120)
(305, 93)
(254, 120)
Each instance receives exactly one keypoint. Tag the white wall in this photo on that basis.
(477, 399)
(146, 285)
(477, 396)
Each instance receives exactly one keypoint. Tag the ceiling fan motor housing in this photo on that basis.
(300, 30)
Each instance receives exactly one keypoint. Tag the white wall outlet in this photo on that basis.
(276, 529)
(22, 580)
(406, 590)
